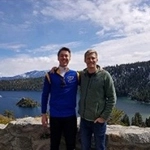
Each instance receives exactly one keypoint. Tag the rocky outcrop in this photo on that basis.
(27, 102)
(28, 134)
(128, 138)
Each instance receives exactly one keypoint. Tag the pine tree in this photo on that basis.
(147, 122)
(126, 120)
(116, 116)
(8, 114)
(137, 120)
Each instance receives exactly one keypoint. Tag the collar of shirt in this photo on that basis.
(63, 70)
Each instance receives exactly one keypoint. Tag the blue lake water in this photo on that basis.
(8, 100)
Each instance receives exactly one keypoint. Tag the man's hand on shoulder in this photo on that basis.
(53, 69)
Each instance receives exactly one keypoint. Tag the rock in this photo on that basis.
(28, 134)
(27, 102)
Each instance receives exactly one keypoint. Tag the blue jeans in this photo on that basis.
(87, 129)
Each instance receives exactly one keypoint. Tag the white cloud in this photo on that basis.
(125, 50)
(12, 46)
(25, 63)
(22, 64)
(127, 16)
(55, 47)
(119, 51)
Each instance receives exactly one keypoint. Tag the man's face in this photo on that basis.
(64, 58)
(91, 60)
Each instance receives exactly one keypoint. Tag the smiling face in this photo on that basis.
(64, 58)
(91, 59)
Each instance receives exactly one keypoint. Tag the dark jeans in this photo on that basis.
(66, 126)
(87, 129)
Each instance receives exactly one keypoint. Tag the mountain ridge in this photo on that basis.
(37, 73)
(29, 74)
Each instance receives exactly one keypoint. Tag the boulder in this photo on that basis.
(27, 102)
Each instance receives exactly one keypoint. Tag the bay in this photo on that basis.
(8, 100)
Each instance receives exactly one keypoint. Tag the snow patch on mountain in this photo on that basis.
(31, 74)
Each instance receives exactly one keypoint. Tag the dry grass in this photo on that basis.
(4, 120)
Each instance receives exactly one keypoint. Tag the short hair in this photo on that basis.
(64, 49)
(90, 51)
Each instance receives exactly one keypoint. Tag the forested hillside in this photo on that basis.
(28, 84)
(130, 80)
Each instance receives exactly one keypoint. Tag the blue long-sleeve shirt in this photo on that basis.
(61, 93)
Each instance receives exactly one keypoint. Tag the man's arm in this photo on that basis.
(44, 100)
(110, 96)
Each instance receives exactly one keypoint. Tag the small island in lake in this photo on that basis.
(27, 102)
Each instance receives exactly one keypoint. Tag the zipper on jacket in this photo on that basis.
(86, 96)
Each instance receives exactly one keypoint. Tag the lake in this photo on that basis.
(8, 100)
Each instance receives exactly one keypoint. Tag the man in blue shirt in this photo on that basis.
(60, 90)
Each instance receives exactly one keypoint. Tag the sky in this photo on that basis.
(32, 32)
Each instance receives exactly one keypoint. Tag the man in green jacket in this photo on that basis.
(97, 99)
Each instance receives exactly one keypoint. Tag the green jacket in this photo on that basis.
(98, 96)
